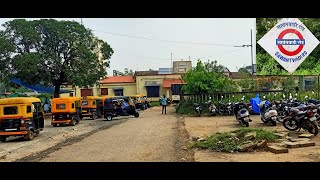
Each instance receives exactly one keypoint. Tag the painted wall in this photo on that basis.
(142, 80)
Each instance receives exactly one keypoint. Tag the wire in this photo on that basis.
(170, 41)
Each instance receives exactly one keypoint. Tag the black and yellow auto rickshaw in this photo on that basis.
(113, 107)
(145, 101)
(137, 100)
(20, 116)
(66, 110)
(89, 105)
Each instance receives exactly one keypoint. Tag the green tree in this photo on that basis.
(52, 52)
(207, 78)
(288, 84)
(267, 65)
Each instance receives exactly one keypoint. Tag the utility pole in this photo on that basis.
(251, 53)
(171, 64)
(81, 22)
(250, 45)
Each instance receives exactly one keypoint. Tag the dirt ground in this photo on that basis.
(152, 137)
(17, 149)
(203, 126)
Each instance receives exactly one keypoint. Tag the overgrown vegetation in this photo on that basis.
(231, 141)
(207, 78)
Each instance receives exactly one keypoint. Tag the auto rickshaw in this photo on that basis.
(137, 100)
(112, 107)
(66, 110)
(20, 116)
(145, 100)
(90, 106)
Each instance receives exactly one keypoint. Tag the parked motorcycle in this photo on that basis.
(268, 114)
(198, 108)
(212, 108)
(301, 117)
(242, 114)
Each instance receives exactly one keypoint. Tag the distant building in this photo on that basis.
(165, 70)
(181, 66)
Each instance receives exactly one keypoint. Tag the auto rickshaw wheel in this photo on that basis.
(136, 114)
(109, 117)
(3, 138)
(54, 125)
(29, 135)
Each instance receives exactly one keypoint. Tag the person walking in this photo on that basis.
(163, 101)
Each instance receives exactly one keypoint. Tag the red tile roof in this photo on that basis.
(117, 79)
(167, 82)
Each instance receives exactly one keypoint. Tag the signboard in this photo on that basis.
(289, 42)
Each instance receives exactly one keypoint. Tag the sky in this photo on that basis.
(147, 43)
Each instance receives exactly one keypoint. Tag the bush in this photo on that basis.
(227, 142)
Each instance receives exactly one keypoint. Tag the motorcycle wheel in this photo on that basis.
(274, 123)
(246, 124)
(313, 129)
(290, 124)
(263, 120)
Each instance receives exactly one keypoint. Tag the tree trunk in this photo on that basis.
(57, 91)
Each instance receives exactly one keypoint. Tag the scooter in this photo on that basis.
(198, 108)
(268, 114)
(242, 113)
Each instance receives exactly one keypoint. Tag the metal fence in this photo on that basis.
(232, 96)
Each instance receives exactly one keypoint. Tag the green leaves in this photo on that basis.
(52, 52)
(207, 78)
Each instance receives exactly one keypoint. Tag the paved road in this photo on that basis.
(152, 137)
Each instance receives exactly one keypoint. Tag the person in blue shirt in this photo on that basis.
(46, 107)
(163, 102)
(125, 106)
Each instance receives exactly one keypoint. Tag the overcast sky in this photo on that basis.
(147, 43)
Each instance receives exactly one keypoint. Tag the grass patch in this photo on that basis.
(155, 103)
(231, 141)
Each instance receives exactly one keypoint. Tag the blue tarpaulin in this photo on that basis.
(255, 104)
(38, 88)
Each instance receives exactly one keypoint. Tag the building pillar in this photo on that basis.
(168, 93)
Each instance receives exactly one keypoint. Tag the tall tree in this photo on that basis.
(206, 79)
(52, 52)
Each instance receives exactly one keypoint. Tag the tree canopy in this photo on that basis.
(52, 52)
(267, 65)
(207, 78)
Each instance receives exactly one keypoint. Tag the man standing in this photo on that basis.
(163, 102)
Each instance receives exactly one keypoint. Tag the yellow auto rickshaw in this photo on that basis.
(20, 116)
(137, 99)
(66, 110)
(145, 101)
(89, 106)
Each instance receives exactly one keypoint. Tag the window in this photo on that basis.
(118, 92)
(104, 91)
(84, 103)
(71, 94)
(308, 84)
(86, 92)
(10, 110)
(182, 70)
(28, 109)
(72, 106)
(60, 106)
(94, 103)
(153, 91)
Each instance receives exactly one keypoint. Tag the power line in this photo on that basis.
(170, 41)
